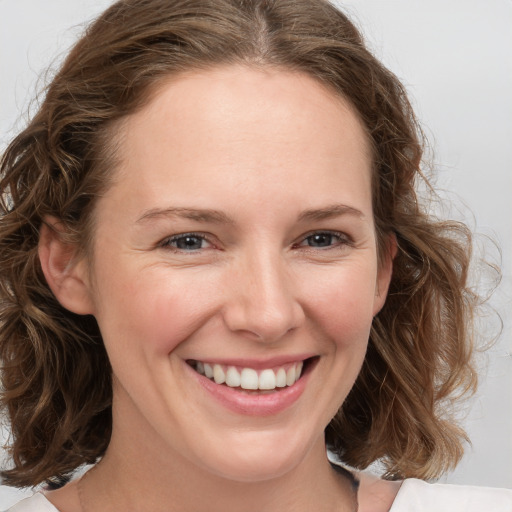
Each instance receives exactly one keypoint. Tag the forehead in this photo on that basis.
(237, 94)
(238, 126)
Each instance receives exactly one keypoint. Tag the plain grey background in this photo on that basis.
(454, 56)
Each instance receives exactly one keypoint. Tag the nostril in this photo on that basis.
(263, 308)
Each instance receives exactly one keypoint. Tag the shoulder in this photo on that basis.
(36, 503)
(419, 496)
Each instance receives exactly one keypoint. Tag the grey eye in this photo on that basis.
(187, 242)
(321, 240)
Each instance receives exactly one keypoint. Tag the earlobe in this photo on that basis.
(385, 273)
(65, 273)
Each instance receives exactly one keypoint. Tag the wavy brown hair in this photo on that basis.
(56, 377)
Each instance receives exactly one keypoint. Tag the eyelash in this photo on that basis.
(342, 239)
(168, 241)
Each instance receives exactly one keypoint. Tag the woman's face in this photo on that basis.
(237, 239)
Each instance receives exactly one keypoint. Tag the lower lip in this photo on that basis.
(253, 404)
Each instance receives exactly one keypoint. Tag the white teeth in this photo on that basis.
(233, 379)
(281, 378)
(208, 370)
(267, 380)
(298, 370)
(290, 376)
(248, 378)
(218, 374)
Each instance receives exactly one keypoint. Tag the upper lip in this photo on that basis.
(257, 363)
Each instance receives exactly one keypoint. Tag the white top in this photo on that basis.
(419, 496)
(413, 496)
(36, 503)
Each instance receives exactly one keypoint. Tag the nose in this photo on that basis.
(262, 303)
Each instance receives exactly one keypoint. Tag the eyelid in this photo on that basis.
(343, 238)
(166, 242)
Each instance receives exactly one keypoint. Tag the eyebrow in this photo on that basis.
(200, 215)
(329, 212)
(218, 217)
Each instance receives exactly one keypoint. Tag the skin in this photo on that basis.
(286, 267)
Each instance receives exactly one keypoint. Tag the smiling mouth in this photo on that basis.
(250, 379)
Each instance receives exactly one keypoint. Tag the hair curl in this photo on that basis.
(56, 376)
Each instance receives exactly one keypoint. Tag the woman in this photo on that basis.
(214, 266)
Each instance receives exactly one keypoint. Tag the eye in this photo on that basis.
(320, 240)
(324, 239)
(187, 242)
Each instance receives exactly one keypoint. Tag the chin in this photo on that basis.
(257, 460)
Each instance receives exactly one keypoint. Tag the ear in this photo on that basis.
(66, 273)
(384, 273)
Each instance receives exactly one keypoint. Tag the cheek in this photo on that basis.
(342, 304)
(153, 312)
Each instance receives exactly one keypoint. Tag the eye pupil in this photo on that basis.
(320, 240)
(189, 242)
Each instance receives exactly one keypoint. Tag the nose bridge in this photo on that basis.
(264, 303)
